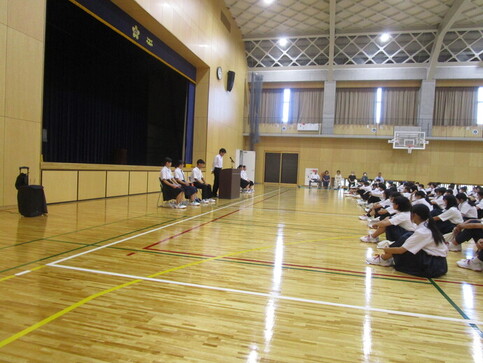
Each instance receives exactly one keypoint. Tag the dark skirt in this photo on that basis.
(171, 193)
(421, 264)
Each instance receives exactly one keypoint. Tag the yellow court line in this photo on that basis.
(101, 293)
(12, 276)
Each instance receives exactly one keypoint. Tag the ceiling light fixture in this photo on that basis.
(283, 42)
(268, 2)
(385, 37)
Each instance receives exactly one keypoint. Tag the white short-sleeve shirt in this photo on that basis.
(467, 210)
(244, 175)
(166, 173)
(453, 215)
(178, 174)
(196, 174)
(439, 201)
(422, 201)
(403, 220)
(422, 239)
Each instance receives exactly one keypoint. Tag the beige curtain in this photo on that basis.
(307, 105)
(271, 106)
(399, 106)
(455, 106)
(355, 106)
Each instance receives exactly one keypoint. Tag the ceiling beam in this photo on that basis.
(443, 28)
(330, 74)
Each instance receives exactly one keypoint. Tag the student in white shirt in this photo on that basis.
(170, 187)
(200, 183)
(396, 225)
(338, 180)
(467, 211)
(379, 178)
(420, 198)
(479, 204)
(438, 202)
(190, 191)
(217, 166)
(245, 183)
(450, 217)
(471, 229)
(420, 253)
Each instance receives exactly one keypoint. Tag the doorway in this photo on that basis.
(281, 168)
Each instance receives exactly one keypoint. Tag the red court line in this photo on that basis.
(203, 224)
(311, 267)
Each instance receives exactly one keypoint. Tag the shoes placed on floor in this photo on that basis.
(378, 260)
(195, 203)
(474, 264)
(454, 248)
(180, 206)
(363, 218)
(211, 200)
(384, 244)
(370, 239)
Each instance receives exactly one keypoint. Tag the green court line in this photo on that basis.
(456, 307)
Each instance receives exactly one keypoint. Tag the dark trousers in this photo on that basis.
(394, 233)
(205, 190)
(216, 183)
(467, 234)
(421, 264)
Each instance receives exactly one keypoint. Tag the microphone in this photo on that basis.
(232, 160)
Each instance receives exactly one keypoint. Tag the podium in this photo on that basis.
(229, 184)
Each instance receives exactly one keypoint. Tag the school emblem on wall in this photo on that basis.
(135, 32)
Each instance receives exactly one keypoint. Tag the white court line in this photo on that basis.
(22, 273)
(281, 297)
(156, 229)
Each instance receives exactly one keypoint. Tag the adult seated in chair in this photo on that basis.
(172, 189)
(199, 182)
(315, 178)
(190, 191)
(245, 183)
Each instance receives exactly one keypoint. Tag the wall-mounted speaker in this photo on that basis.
(230, 80)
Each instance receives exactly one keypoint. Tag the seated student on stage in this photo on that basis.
(450, 216)
(338, 180)
(326, 179)
(314, 177)
(173, 189)
(190, 191)
(245, 184)
(394, 226)
(420, 253)
(419, 197)
(463, 232)
(199, 181)
(467, 210)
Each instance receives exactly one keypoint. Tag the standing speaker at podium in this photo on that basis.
(217, 166)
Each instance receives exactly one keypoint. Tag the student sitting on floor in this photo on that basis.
(467, 210)
(199, 181)
(420, 253)
(419, 197)
(437, 201)
(190, 191)
(449, 217)
(475, 263)
(394, 226)
(463, 232)
(173, 189)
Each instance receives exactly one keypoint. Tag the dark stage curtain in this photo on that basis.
(105, 100)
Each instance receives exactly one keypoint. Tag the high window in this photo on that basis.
(286, 105)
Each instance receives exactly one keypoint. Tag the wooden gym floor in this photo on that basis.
(275, 276)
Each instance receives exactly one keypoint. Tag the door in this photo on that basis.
(281, 168)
